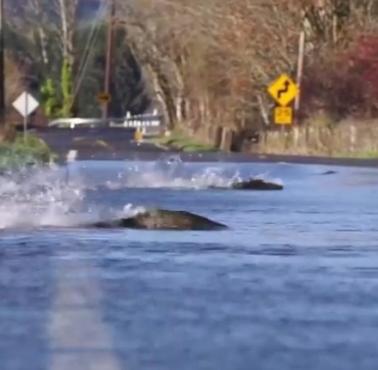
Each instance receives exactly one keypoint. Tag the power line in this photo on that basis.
(2, 74)
(94, 27)
(109, 50)
(88, 50)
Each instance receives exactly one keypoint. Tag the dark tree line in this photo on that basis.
(59, 46)
(205, 64)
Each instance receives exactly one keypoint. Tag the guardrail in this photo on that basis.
(145, 121)
(139, 121)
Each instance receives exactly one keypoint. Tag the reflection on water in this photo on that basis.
(292, 284)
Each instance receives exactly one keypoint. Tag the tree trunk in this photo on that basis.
(43, 42)
(68, 10)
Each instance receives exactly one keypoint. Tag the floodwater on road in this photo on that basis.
(292, 284)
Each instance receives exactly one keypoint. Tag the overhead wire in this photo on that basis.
(88, 50)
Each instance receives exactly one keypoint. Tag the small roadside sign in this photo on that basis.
(283, 115)
(283, 90)
(138, 135)
(25, 104)
(103, 98)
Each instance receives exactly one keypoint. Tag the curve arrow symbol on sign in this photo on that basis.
(284, 90)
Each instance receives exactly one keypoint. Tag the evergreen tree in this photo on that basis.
(49, 98)
(67, 89)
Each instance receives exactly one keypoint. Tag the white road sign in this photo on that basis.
(25, 104)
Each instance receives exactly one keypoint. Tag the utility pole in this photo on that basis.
(301, 51)
(2, 74)
(109, 52)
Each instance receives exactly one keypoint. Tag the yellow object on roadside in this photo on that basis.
(138, 136)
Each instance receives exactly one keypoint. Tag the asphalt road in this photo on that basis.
(95, 143)
(119, 144)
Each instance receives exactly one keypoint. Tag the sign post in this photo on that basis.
(25, 104)
(283, 90)
(26, 115)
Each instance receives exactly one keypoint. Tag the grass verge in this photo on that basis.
(181, 142)
(24, 152)
(358, 155)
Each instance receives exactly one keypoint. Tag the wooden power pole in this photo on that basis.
(2, 65)
(301, 51)
(109, 52)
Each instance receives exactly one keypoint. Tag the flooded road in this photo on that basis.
(292, 284)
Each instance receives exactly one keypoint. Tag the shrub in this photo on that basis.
(343, 83)
(24, 152)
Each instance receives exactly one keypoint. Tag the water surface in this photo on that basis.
(290, 285)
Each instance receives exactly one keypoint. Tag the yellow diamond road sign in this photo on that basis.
(283, 90)
(283, 115)
(103, 98)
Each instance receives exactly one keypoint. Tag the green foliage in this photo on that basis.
(49, 98)
(67, 89)
(55, 80)
(127, 86)
(59, 103)
(24, 152)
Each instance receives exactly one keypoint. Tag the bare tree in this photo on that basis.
(68, 17)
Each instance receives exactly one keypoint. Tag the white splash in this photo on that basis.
(47, 198)
(155, 177)
(55, 197)
(40, 197)
(180, 177)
